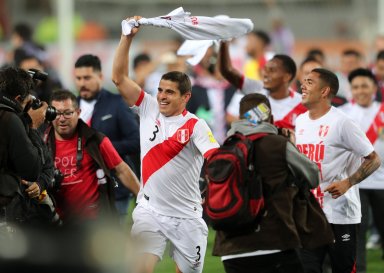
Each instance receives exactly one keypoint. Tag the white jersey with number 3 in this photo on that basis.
(337, 145)
(172, 154)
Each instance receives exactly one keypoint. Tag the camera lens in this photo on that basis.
(51, 113)
(36, 103)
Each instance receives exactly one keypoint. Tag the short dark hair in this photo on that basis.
(313, 52)
(351, 52)
(289, 64)
(15, 81)
(361, 72)
(329, 79)
(181, 78)
(251, 101)
(142, 57)
(20, 55)
(24, 31)
(262, 35)
(89, 60)
(64, 94)
(309, 59)
(380, 55)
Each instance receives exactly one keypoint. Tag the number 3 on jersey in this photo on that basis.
(154, 133)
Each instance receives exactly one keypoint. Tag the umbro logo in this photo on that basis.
(346, 237)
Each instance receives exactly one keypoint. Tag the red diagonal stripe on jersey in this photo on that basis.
(288, 120)
(163, 152)
(372, 132)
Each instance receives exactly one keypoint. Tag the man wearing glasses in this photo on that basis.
(84, 159)
(109, 114)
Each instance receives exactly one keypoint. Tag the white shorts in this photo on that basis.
(187, 237)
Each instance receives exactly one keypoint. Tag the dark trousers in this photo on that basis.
(374, 200)
(281, 262)
(342, 253)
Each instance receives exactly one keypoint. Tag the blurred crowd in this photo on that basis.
(214, 99)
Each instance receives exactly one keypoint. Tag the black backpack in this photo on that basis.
(234, 198)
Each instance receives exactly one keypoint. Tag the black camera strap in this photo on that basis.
(79, 152)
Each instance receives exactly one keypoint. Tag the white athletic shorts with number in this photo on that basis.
(187, 237)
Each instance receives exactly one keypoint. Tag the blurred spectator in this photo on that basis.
(109, 114)
(43, 89)
(148, 71)
(378, 71)
(211, 95)
(305, 68)
(4, 20)
(256, 47)
(146, 75)
(318, 54)
(377, 46)
(350, 60)
(281, 36)
(21, 37)
(91, 31)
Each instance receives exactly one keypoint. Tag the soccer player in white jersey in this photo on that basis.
(277, 75)
(345, 157)
(369, 115)
(173, 144)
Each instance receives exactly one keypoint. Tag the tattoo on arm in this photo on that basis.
(370, 164)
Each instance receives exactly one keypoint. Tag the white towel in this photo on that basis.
(196, 49)
(194, 27)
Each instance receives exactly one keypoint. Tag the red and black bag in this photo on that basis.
(234, 199)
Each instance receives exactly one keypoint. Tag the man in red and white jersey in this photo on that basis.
(369, 115)
(277, 76)
(173, 144)
(345, 157)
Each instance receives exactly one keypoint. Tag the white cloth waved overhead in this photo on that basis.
(196, 49)
(194, 27)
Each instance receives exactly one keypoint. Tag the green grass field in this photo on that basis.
(213, 264)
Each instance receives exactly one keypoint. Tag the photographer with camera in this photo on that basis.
(85, 160)
(26, 169)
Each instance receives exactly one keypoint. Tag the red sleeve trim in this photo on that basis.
(140, 99)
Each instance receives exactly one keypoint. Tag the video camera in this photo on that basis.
(51, 112)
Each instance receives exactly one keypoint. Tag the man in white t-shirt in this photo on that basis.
(345, 157)
(368, 114)
(173, 145)
(278, 73)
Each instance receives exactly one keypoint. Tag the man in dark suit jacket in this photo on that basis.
(109, 114)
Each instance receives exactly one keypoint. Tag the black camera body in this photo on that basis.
(37, 74)
(58, 178)
(51, 112)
